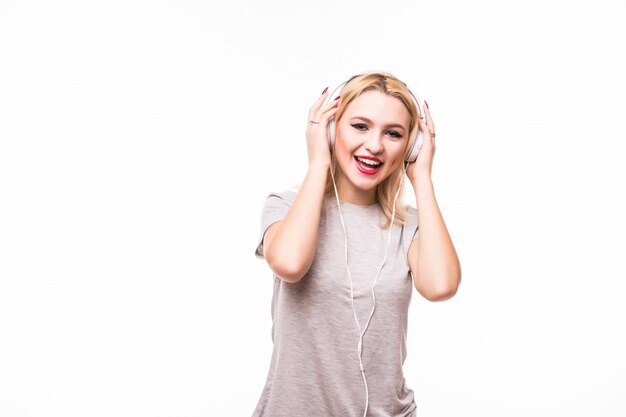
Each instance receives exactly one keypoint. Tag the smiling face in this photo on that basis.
(375, 128)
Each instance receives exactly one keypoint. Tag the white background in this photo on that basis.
(139, 139)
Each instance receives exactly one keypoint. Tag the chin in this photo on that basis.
(362, 181)
(366, 187)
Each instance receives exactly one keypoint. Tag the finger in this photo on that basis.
(425, 129)
(422, 125)
(323, 109)
(327, 115)
(322, 119)
(322, 122)
(332, 103)
(429, 118)
(318, 103)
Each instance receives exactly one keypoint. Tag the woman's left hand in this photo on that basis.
(423, 165)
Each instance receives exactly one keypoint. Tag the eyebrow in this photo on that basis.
(365, 119)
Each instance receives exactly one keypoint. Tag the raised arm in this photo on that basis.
(433, 260)
(290, 243)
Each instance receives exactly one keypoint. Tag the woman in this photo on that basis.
(341, 250)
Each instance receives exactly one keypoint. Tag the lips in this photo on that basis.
(371, 158)
(366, 169)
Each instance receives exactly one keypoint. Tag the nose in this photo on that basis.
(374, 142)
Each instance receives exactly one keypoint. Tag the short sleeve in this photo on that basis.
(410, 229)
(412, 222)
(416, 234)
(275, 209)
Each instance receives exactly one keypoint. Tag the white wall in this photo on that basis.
(138, 140)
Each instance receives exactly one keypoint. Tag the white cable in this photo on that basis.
(393, 213)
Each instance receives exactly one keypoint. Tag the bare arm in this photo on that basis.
(290, 243)
(433, 260)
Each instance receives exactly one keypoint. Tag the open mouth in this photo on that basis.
(367, 166)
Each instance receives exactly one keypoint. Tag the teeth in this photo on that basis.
(368, 162)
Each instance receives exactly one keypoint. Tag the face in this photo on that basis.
(375, 128)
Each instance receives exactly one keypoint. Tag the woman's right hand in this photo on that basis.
(317, 133)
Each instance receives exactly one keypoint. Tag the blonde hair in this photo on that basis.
(386, 190)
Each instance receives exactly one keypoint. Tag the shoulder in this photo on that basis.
(411, 216)
(278, 201)
(285, 196)
(411, 211)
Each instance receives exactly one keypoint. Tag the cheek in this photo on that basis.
(391, 167)
(398, 152)
(341, 152)
(344, 145)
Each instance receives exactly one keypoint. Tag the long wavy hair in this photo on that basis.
(386, 190)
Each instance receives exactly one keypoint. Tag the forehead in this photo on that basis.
(380, 108)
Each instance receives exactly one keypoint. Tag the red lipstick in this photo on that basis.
(365, 169)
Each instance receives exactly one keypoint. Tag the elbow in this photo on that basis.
(443, 292)
(288, 274)
(287, 271)
(440, 295)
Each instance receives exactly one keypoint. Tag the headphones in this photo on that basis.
(411, 154)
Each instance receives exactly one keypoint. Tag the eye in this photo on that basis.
(360, 126)
(394, 133)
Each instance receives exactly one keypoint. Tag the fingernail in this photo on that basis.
(426, 105)
(326, 89)
(337, 98)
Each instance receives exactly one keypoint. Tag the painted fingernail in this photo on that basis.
(326, 89)
(426, 105)
(337, 98)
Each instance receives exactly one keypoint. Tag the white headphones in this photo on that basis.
(411, 154)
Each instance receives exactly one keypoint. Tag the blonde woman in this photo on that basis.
(346, 255)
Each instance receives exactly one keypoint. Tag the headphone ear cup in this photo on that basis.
(331, 133)
(412, 153)
(331, 122)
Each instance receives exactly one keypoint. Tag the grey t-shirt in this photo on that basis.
(314, 370)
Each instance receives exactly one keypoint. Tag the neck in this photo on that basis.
(352, 195)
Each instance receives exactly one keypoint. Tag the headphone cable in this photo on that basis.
(374, 283)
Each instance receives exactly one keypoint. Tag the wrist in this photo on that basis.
(318, 168)
(421, 179)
